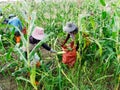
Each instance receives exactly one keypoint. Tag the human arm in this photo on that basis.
(44, 45)
(68, 36)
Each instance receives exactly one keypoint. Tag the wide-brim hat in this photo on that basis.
(11, 16)
(69, 27)
(38, 33)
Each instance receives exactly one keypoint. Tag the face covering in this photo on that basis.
(72, 36)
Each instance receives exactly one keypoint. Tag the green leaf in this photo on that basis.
(104, 14)
(61, 52)
(24, 79)
(103, 2)
(104, 77)
(100, 47)
(33, 76)
(31, 28)
(92, 22)
(20, 52)
(12, 64)
(20, 71)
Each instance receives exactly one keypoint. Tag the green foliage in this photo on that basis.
(102, 2)
(98, 58)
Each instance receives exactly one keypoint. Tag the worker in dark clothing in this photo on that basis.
(72, 31)
(35, 38)
(70, 52)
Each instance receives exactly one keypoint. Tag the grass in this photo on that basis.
(98, 59)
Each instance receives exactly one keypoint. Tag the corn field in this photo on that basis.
(97, 66)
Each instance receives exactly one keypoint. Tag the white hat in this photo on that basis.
(38, 33)
(69, 27)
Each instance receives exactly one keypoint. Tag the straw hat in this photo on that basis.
(38, 33)
(69, 27)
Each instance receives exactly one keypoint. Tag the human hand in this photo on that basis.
(53, 51)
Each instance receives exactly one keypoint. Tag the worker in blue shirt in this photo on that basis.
(16, 24)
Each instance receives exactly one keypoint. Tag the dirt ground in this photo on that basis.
(7, 83)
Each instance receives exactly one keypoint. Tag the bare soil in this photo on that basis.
(7, 83)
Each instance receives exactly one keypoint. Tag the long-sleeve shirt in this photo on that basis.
(34, 42)
(67, 38)
(15, 22)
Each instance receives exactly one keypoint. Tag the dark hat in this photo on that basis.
(11, 16)
(69, 27)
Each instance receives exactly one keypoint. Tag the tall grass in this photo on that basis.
(98, 59)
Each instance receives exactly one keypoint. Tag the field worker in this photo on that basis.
(36, 36)
(70, 55)
(72, 31)
(16, 23)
